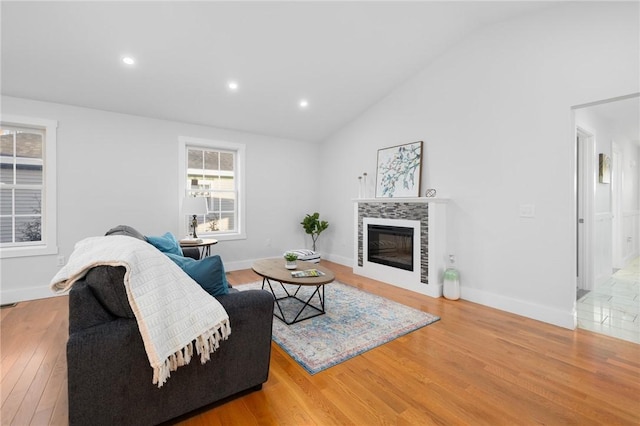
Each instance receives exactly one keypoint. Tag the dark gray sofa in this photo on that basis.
(110, 380)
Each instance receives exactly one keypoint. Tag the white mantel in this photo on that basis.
(402, 200)
(436, 242)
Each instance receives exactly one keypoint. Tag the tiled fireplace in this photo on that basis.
(401, 242)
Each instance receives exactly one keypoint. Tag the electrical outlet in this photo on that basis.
(61, 260)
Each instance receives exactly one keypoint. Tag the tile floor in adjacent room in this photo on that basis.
(613, 308)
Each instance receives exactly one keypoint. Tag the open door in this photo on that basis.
(585, 187)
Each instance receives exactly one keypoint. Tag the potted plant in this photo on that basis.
(314, 226)
(291, 259)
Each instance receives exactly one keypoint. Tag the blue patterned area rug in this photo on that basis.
(355, 322)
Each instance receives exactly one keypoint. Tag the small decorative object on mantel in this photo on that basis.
(362, 185)
(605, 168)
(430, 193)
(398, 172)
(291, 259)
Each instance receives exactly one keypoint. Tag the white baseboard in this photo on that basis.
(338, 259)
(565, 319)
(24, 294)
(238, 265)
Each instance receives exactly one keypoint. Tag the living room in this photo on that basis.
(494, 109)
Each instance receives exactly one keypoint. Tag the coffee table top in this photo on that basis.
(274, 269)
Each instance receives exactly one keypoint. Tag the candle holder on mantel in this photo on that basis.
(362, 186)
(364, 181)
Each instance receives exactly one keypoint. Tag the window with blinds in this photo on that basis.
(27, 186)
(22, 178)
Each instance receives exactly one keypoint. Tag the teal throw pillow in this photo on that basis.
(208, 272)
(166, 244)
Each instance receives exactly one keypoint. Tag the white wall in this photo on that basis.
(120, 169)
(495, 115)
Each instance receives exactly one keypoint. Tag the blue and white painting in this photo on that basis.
(398, 173)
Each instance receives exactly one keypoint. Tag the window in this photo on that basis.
(27, 187)
(213, 171)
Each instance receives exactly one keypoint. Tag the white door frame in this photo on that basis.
(616, 206)
(585, 216)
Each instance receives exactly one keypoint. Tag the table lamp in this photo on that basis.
(194, 206)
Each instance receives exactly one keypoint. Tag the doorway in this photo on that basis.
(607, 215)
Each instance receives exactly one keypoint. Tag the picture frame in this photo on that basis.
(398, 171)
(604, 169)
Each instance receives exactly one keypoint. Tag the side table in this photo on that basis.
(204, 246)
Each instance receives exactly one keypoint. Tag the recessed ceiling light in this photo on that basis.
(128, 60)
(303, 103)
(233, 85)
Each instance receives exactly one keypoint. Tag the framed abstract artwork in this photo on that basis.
(604, 163)
(398, 172)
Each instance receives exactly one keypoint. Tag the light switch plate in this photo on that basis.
(527, 210)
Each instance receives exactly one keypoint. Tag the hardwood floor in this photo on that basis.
(475, 366)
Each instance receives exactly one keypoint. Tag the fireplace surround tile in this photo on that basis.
(398, 210)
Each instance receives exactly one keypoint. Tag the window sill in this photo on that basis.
(225, 237)
(38, 250)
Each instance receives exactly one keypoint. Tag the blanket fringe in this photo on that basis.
(206, 344)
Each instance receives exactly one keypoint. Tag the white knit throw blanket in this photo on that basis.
(171, 309)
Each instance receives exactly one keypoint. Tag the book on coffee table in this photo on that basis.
(307, 273)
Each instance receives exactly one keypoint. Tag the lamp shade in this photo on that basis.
(194, 205)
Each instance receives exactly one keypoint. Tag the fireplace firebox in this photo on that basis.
(390, 246)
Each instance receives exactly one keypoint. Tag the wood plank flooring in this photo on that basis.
(476, 366)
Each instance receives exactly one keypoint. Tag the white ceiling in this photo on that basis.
(341, 56)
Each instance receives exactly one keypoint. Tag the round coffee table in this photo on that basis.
(274, 270)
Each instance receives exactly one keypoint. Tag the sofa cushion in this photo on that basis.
(166, 243)
(126, 230)
(208, 272)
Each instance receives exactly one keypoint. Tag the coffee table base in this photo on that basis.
(319, 291)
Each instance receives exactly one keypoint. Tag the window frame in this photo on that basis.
(186, 142)
(49, 244)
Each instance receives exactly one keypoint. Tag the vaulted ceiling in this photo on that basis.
(341, 57)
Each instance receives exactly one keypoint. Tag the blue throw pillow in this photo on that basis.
(208, 272)
(166, 244)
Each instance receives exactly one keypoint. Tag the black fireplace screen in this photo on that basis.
(391, 246)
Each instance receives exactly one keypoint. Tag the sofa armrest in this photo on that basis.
(110, 380)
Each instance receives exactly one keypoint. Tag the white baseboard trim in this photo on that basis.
(24, 294)
(565, 319)
(238, 265)
(338, 259)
